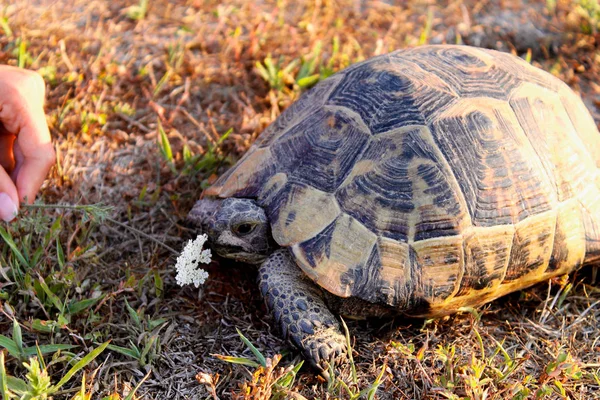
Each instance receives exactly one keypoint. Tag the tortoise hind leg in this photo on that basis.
(299, 309)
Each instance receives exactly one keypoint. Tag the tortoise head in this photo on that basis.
(236, 228)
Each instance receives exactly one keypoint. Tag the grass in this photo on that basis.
(37, 383)
(588, 14)
(148, 103)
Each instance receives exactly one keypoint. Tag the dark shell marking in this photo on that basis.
(430, 179)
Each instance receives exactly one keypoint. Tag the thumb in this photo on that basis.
(9, 198)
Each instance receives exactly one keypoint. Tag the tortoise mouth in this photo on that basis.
(239, 254)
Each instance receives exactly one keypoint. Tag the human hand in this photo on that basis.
(26, 153)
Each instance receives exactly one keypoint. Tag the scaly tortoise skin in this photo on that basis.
(417, 182)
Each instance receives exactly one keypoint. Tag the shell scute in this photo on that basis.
(299, 212)
(440, 264)
(487, 252)
(305, 105)
(321, 150)
(245, 179)
(469, 72)
(401, 187)
(349, 247)
(383, 99)
(532, 245)
(493, 161)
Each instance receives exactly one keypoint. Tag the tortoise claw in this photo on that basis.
(324, 349)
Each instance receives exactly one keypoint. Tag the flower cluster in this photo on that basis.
(187, 263)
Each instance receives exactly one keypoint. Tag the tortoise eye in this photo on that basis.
(243, 229)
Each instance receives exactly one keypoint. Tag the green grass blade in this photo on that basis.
(335, 44)
(344, 386)
(3, 380)
(79, 306)
(372, 390)
(9, 345)
(80, 364)
(309, 66)
(165, 78)
(187, 154)
(16, 385)
(40, 357)
(137, 387)
(22, 58)
(224, 136)
(13, 247)
(43, 326)
(158, 283)
(290, 67)
(237, 360)
(350, 357)
(133, 353)
(564, 295)
(427, 29)
(47, 349)
(308, 81)
(6, 27)
(133, 315)
(54, 230)
(472, 311)
(36, 256)
(53, 298)
(288, 379)
(262, 71)
(271, 68)
(155, 323)
(81, 395)
(60, 254)
(17, 336)
(165, 145)
(147, 348)
(261, 359)
(480, 341)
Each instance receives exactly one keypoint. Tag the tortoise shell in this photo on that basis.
(429, 179)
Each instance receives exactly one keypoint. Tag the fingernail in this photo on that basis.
(8, 209)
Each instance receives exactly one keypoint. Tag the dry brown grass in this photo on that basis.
(191, 66)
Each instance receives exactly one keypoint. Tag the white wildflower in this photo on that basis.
(187, 263)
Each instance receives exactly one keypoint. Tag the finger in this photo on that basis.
(32, 171)
(24, 116)
(9, 198)
(22, 106)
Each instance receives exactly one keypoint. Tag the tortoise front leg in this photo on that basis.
(300, 311)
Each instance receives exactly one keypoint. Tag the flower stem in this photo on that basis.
(100, 212)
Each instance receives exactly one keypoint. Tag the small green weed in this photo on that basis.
(275, 74)
(193, 164)
(338, 387)
(15, 347)
(6, 26)
(147, 347)
(270, 383)
(299, 74)
(139, 11)
(267, 381)
(37, 383)
(24, 58)
(589, 12)
(424, 38)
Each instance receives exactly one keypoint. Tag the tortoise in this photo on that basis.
(416, 183)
